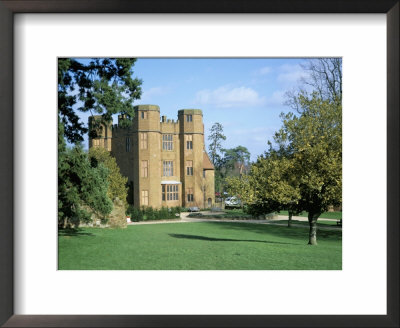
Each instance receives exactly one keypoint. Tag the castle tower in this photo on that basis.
(146, 156)
(103, 131)
(191, 153)
(171, 185)
(165, 162)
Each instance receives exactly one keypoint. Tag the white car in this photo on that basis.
(232, 202)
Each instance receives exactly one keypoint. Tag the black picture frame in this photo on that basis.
(10, 7)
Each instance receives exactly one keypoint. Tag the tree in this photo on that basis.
(80, 186)
(274, 185)
(216, 136)
(241, 187)
(305, 171)
(104, 86)
(116, 182)
(235, 160)
(317, 157)
(324, 77)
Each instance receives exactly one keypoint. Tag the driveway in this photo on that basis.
(185, 218)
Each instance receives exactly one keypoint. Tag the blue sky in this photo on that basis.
(245, 95)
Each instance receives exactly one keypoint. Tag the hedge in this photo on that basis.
(147, 213)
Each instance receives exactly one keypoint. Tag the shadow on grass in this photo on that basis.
(73, 232)
(298, 233)
(224, 239)
(320, 224)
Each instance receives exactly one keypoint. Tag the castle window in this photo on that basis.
(189, 118)
(143, 115)
(189, 167)
(128, 144)
(167, 143)
(189, 193)
(145, 197)
(145, 169)
(189, 142)
(170, 192)
(168, 168)
(143, 140)
(204, 173)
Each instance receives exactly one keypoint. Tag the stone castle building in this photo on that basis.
(165, 161)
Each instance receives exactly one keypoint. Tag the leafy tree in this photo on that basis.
(216, 136)
(241, 187)
(218, 180)
(305, 171)
(235, 160)
(274, 185)
(116, 182)
(104, 86)
(324, 79)
(317, 157)
(81, 188)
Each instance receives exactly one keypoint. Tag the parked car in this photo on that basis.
(231, 202)
(194, 209)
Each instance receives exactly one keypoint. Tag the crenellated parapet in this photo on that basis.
(163, 158)
(100, 132)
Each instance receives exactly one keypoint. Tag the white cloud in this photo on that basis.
(265, 70)
(253, 132)
(228, 96)
(277, 98)
(153, 92)
(255, 139)
(290, 74)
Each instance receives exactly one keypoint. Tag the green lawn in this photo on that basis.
(325, 215)
(199, 246)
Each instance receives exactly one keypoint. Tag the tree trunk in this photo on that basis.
(65, 224)
(312, 220)
(289, 223)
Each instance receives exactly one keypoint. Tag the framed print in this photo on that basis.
(217, 298)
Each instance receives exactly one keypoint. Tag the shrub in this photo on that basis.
(195, 215)
(116, 181)
(174, 212)
(129, 210)
(136, 214)
(117, 217)
(163, 213)
(149, 213)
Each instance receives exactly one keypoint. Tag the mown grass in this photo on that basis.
(198, 246)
